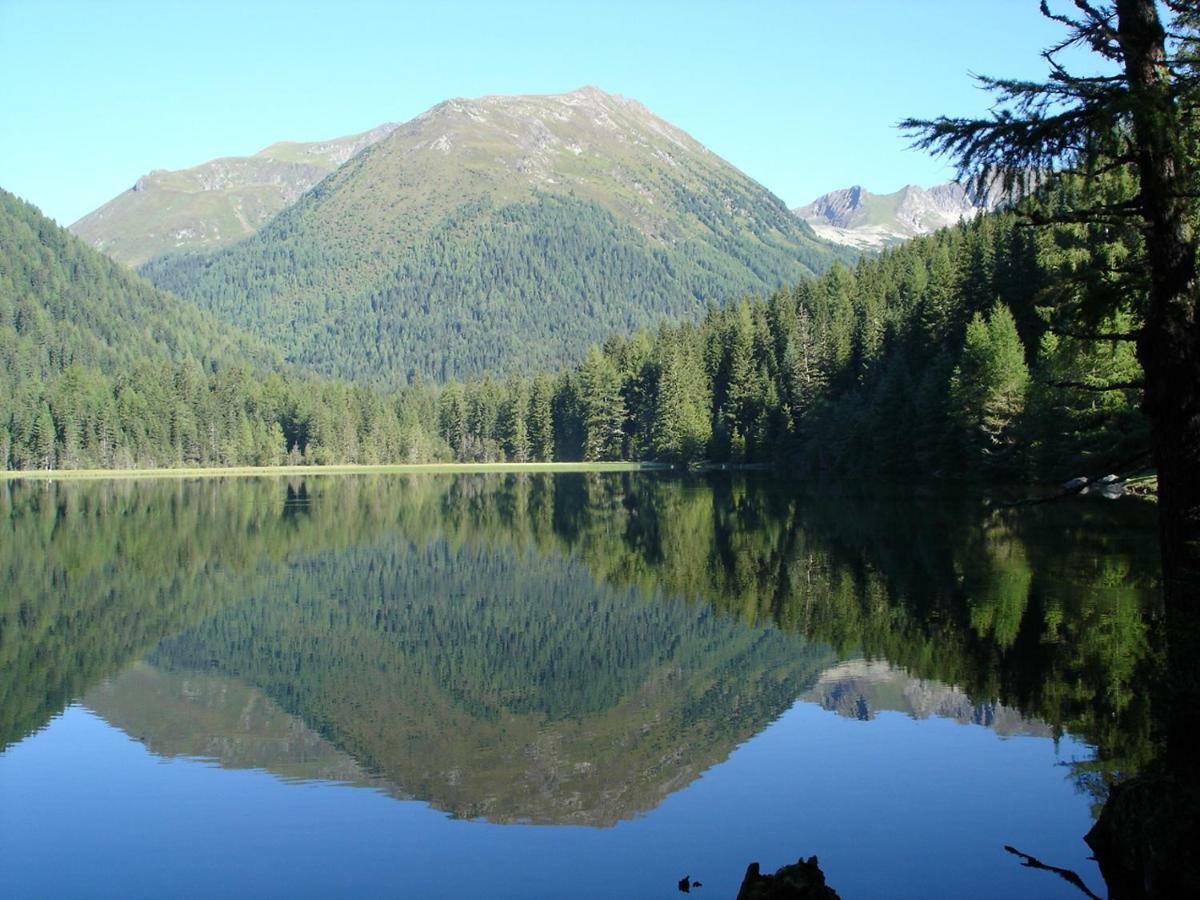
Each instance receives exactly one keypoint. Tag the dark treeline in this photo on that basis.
(972, 350)
(976, 349)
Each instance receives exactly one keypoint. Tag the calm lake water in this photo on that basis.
(558, 686)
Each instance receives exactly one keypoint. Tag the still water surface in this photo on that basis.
(558, 685)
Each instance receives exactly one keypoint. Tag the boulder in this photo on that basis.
(802, 880)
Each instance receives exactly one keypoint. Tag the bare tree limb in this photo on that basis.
(1032, 862)
(1098, 388)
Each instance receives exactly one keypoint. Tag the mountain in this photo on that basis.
(62, 303)
(501, 233)
(857, 218)
(215, 203)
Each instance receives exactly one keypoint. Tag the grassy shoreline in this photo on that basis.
(280, 471)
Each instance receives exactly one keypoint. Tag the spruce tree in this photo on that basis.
(603, 407)
(989, 384)
(513, 422)
(1140, 113)
(541, 419)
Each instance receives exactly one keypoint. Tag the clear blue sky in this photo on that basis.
(801, 95)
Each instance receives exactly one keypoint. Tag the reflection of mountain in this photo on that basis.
(570, 648)
(860, 689)
(503, 685)
(594, 769)
(198, 715)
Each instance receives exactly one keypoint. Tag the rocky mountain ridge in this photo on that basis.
(855, 217)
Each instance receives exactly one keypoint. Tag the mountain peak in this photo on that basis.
(857, 218)
(588, 90)
(584, 203)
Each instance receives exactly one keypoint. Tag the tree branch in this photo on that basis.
(1099, 388)
(1032, 862)
(1072, 488)
(1097, 335)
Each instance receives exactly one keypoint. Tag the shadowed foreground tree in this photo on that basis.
(1138, 117)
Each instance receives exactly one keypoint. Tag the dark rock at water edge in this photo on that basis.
(1146, 837)
(803, 880)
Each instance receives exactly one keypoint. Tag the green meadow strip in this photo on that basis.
(253, 471)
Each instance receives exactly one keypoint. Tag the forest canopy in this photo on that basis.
(958, 352)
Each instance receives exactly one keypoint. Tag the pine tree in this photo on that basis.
(681, 423)
(735, 413)
(452, 418)
(603, 407)
(1142, 116)
(541, 419)
(42, 439)
(803, 379)
(989, 384)
(513, 422)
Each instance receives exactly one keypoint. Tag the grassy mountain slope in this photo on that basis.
(501, 233)
(216, 203)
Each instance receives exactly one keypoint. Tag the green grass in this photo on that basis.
(258, 471)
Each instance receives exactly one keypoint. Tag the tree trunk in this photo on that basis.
(1145, 837)
(1169, 350)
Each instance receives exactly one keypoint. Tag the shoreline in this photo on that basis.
(346, 469)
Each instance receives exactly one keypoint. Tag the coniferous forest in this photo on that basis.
(569, 278)
(973, 350)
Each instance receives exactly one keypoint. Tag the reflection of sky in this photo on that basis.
(893, 807)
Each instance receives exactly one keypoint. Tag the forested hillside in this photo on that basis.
(62, 303)
(501, 234)
(98, 368)
(972, 350)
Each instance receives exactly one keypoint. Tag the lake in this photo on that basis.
(569, 685)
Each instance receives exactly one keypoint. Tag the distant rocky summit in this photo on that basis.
(857, 218)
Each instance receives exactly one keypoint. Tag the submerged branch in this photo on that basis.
(1032, 862)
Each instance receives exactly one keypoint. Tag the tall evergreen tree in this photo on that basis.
(513, 424)
(541, 418)
(1141, 113)
(989, 384)
(603, 407)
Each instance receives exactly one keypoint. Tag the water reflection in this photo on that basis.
(862, 689)
(560, 649)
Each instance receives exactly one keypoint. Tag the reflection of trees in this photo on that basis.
(1051, 610)
(1048, 610)
(96, 574)
(503, 683)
